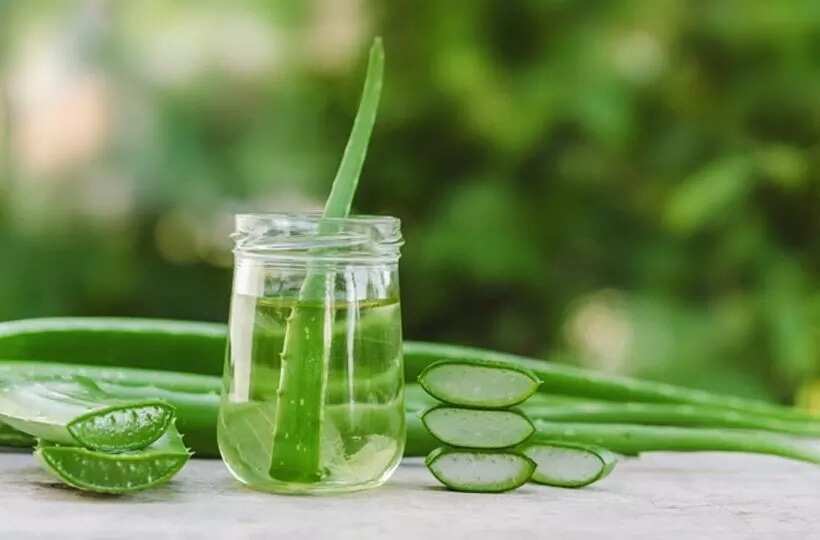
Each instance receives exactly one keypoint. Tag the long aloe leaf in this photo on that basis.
(572, 381)
(196, 347)
(667, 414)
(78, 412)
(296, 454)
(103, 472)
(631, 439)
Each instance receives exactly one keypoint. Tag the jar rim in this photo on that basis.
(313, 217)
(308, 236)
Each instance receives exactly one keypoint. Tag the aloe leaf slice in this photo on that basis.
(564, 464)
(126, 472)
(478, 384)
(479, 471)
(78, 412)
(477, 428)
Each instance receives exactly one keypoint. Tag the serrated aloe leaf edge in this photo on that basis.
(101, 472)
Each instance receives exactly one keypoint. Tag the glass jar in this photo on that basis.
(313, 387)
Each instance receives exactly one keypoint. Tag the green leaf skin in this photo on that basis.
(27, 370)
(476, 428)
(78, 412)
(101, 472)
(478, 384)
(297, 430)
(194, 347)
(12, 438)
(631, 439)
(666, 414)
(479, 471)
(570, 465)
(419, 440)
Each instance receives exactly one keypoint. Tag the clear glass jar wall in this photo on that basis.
(313, 384)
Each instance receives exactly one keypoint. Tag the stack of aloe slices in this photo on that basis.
(487, 440)
(89, 439)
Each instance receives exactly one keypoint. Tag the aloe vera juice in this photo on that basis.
(361, 420)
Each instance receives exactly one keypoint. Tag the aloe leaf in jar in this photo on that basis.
(347, 415)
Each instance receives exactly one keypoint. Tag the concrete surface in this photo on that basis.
(662, 495)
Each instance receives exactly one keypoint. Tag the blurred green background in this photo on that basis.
(631, 186)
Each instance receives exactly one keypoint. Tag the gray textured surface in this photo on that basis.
(659, 496)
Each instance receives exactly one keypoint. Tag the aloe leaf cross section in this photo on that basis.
(479, 471)
(296, 451)
(476, 428)
(78, 412)
(478, 384)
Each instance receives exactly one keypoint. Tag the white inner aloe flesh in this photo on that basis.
(477, 429)
(478, 385)
(476, 470)
(563, 465)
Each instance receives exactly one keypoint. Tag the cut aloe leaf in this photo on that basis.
(478, 384)
(78, 412)
(564, 464)
(101, 472)
(477, 428)
(479, 471)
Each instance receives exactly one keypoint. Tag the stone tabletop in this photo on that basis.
(663, 495)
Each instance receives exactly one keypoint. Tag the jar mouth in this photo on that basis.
(304, 237)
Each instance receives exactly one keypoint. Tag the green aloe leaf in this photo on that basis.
(78, 412)
(296, 453)
(126, 472)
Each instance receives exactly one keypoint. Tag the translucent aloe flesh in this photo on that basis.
(475, 428)
(297, 431)
(102, 472)
(78, 412)
(479, 471)
(478, 384)
(565, 464)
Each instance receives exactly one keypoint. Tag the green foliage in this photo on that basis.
(627, 185)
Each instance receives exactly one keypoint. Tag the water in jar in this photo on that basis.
(346, 424)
